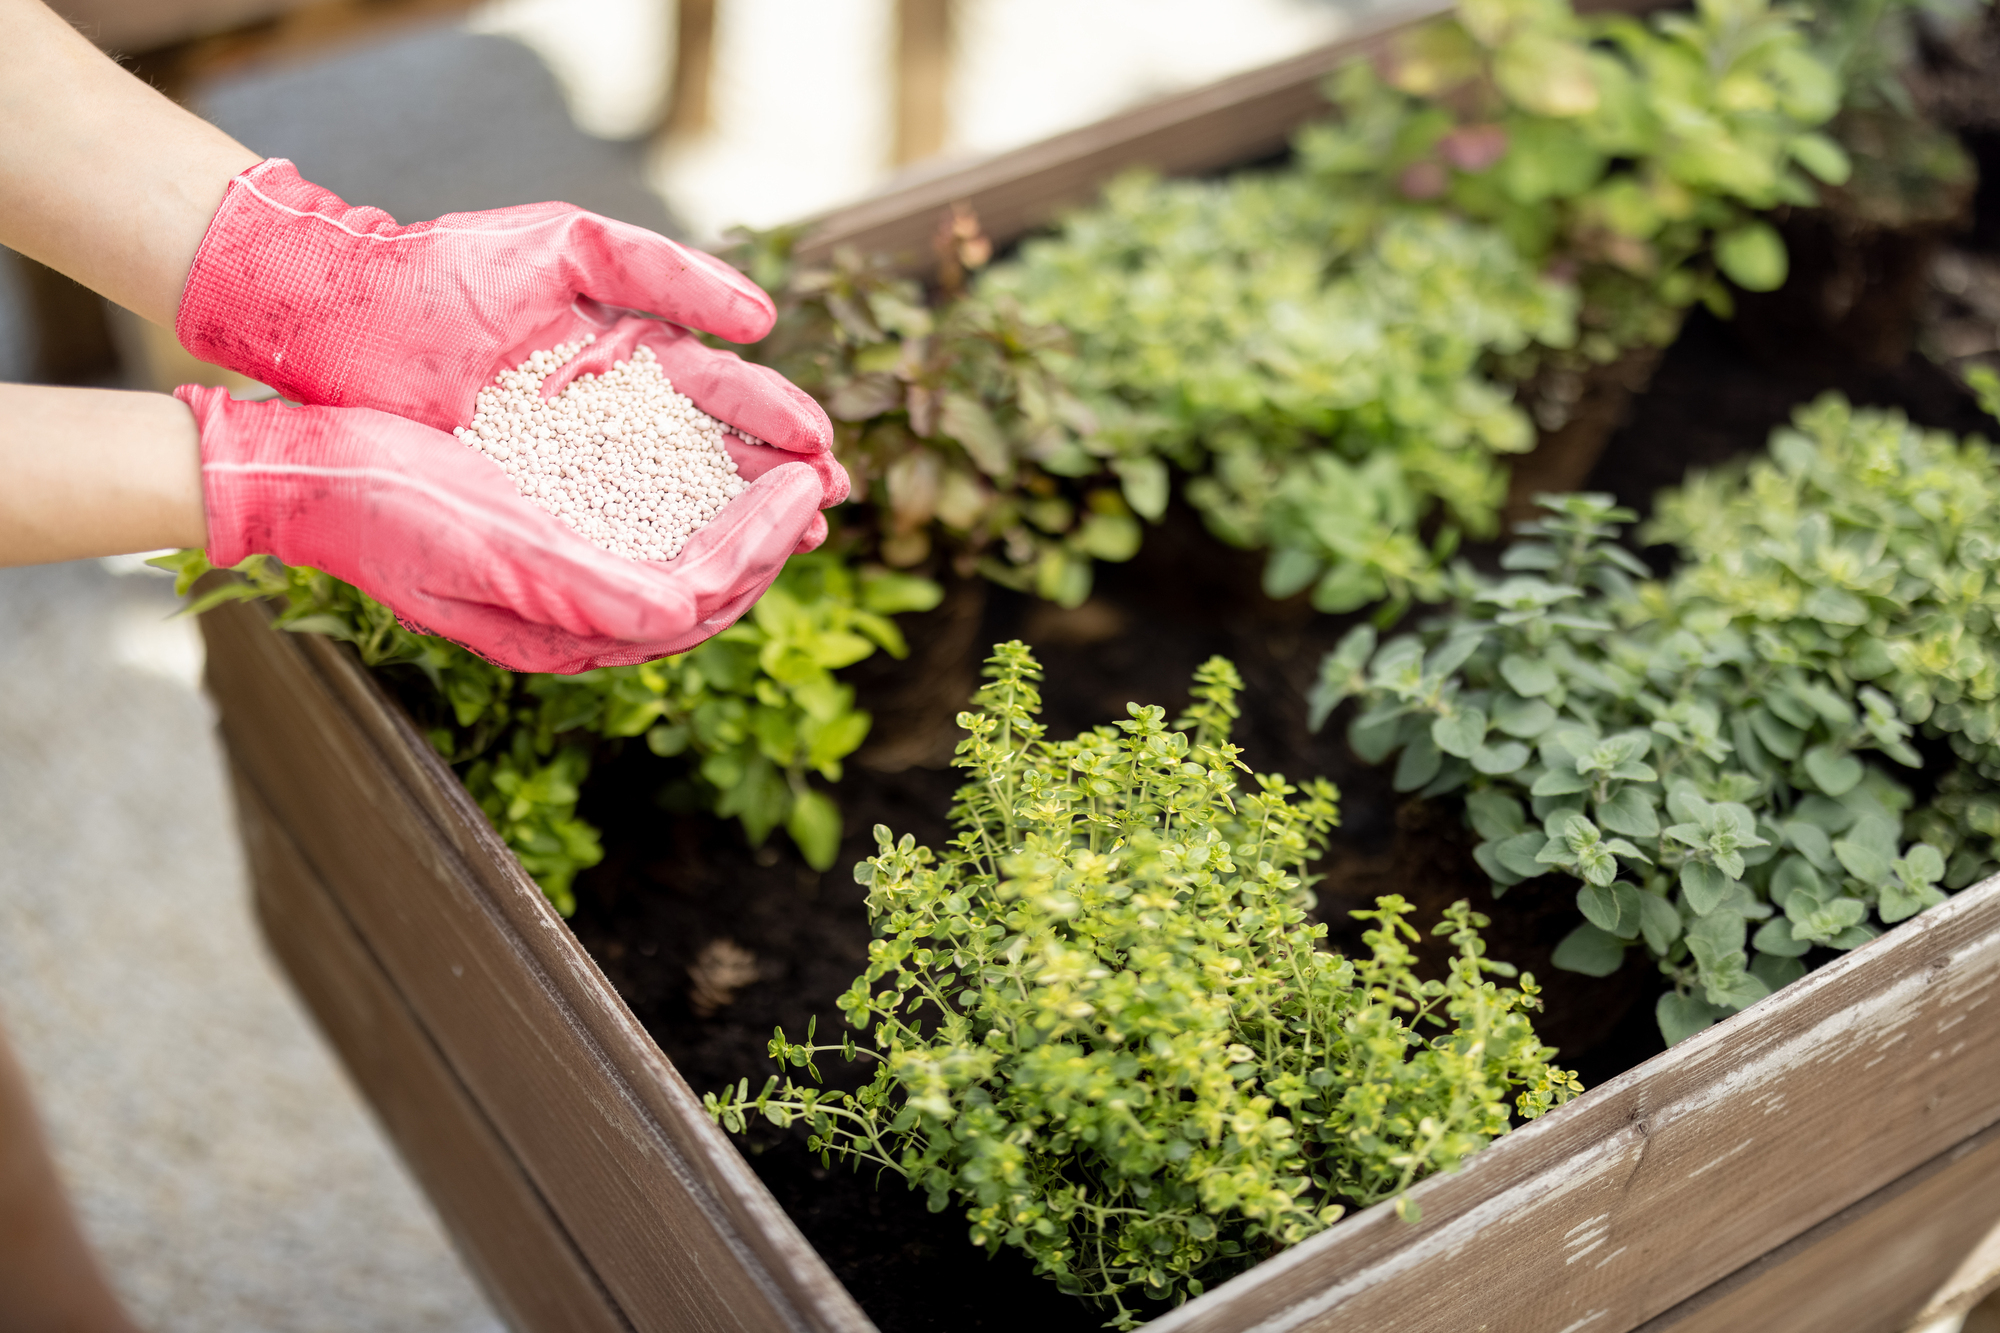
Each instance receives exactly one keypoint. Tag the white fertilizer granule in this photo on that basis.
(631, 465)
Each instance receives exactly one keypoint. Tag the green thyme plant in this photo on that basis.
(1100, 1022)
(1316, 367)
(755, 712)
(1713, 757)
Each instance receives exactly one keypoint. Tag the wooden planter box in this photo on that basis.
(1827, 1160)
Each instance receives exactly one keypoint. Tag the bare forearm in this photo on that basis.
(101, 177)
(96, 472)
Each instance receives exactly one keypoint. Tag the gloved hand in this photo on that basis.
(435, 531)
(342, 307)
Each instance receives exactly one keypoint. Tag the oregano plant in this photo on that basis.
(1101, 1023)
(1713, 758)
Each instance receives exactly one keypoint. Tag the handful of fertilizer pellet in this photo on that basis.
(631, 465)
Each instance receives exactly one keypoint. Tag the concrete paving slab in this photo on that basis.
(221, 1163)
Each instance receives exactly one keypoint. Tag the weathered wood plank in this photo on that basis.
(592, 1003)
(1611, 1212)
(465, 951)
(1870, 1268)
(1667, 1179)
(520, 1254)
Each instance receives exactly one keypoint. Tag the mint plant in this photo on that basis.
(1101, 1023)
(1713, 758)
(755, 712)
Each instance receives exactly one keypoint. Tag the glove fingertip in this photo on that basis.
(649, 272)
(815, 535)
(744, 325)
(835, 484)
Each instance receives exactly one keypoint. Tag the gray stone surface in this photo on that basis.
(434, 120)
(221, 1163)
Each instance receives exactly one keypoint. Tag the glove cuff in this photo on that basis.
(269, 277)
(232, 517)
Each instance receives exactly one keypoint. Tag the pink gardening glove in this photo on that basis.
(437, 532)
(341, 307)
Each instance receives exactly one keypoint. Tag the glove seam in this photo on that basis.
(404, 230)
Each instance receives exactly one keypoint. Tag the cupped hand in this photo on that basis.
(340, 306)
(438, 533)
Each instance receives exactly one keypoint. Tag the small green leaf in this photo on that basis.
(1836, 606)
(1559, 782)
(966, 420)
(668, 739)
(1833, 770)
(889, 593)
(1630, 811)
(1796, 875)
(1525, 718)
(1519, 854)
(1775, 937)
(1659, 922)
(1590, 951)
(1419, 764)
(1923, 864)
(1529, 677)
(814, 824)
(1899, 901)
(1823, 158)
(1374, 736)
(1753, 257)
(1494, 814)
(1498, 760)
(1547, 75)
(1486, 854)
(1707, 888)
(1861, 860)
(1460, 733)
(1681, 1016)
(1144, 480)
(1291, 569)
(1599, 905)
(1811, 841)
(1779, 737)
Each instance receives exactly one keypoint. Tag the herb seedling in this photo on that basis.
(753, 714)
(1102, 1025)
(1706, 755)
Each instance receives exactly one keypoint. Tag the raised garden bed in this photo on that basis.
(1825, 1159)
(1850, 1114)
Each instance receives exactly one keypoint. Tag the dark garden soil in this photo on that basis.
(714, 944)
